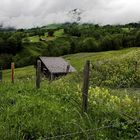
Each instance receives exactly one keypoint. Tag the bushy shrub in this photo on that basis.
(119, 113)
(89, 45)
(138, 38)
(5, 61)
(117, 72)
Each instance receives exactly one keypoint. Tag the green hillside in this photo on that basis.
(107, 68)
(54, 110)
(78, 60)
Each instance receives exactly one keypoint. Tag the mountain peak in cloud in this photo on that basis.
(76, 15)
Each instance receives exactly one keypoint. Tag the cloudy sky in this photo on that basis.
(32, 13)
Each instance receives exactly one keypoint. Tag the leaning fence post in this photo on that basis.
(1, 75)
(12, 71)
(38, 74)
(85, 86)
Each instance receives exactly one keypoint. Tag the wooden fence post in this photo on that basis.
(38, 74)
(52, 77)
(12, 71)
(85, 86)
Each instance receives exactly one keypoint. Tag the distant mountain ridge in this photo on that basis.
(2, 28)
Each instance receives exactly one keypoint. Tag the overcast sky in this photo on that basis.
(32, 13)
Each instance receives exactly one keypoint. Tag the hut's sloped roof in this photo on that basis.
(56, 64)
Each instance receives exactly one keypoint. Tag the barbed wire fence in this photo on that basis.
(78, 133)
(90, 133)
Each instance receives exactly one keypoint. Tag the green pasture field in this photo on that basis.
(55, 110)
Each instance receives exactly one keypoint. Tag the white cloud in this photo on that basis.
(30, 13)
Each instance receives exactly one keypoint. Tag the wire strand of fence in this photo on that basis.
(78, 132)
(82, 132)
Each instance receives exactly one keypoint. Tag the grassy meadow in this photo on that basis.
(54, 110)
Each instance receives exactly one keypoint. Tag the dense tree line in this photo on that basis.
(94, 38)
(77, 38)
(103, 38)
(10, 44)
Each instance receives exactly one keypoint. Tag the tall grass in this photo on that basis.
(55, 109)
